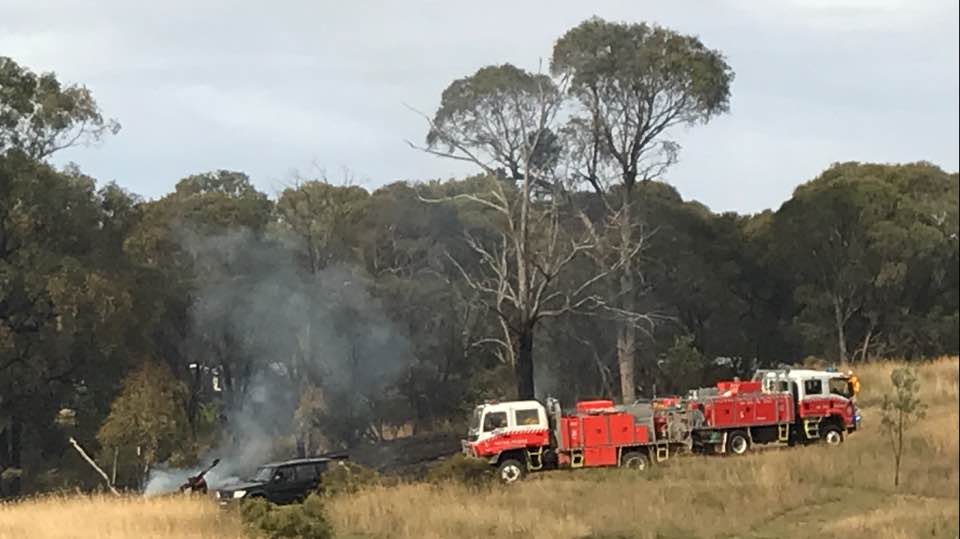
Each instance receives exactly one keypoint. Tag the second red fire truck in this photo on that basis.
(776, 406)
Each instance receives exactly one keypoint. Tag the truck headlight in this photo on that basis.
(239, 494)
(216, 494)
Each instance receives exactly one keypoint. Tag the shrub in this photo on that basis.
(348, 478)
(299, 521)
(464, 470)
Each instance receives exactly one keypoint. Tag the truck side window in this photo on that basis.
(494, 421)
(527, 417)
(813, 387)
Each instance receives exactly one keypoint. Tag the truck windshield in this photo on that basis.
(841, 386)
(475, 420)
(264, 474)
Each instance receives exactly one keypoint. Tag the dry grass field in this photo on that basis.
(844, 492)
(108, 517)
(815, 491)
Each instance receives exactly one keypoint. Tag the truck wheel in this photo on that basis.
(510, 471)
(634, 460)
(832, 435)
(737, 442)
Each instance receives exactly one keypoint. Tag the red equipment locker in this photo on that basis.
(599, 456)
(570, 432)
(622, 431)
(596, 431)
(747, 410)
(642, 434)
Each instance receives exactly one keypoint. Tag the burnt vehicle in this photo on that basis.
(289, 481)
(198, 483)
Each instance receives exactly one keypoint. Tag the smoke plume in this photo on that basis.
(268, 328)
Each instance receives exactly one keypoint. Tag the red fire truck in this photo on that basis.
(776, 406)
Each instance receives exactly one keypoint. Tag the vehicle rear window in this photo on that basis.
(813, 387)
(527, 417)
(306, 471)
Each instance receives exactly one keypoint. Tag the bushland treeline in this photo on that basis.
(564, 267)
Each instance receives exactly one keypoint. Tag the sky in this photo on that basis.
(302, 88)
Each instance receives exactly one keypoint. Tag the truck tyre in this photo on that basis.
(832, 434)
(737, 442)
(510, 471)
(634, 460)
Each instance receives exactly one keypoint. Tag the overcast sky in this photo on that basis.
(270, 88)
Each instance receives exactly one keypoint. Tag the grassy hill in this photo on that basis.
(844, 492)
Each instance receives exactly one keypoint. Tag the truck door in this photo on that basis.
(796, 400)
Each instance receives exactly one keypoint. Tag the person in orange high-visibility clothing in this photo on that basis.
(854, 383)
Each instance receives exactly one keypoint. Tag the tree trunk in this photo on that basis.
(193, 404)
(865, 349)
(113, 474)
(626, 345)
(16, 431)
(896, 471)
(899, 453)
(841, 338)
(523, 366)
(4, 454)
(626, 333)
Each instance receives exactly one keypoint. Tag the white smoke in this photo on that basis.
(286, 328)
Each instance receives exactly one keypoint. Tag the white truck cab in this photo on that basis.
(809, 383)
(493, 418)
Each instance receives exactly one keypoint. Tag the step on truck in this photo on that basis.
(776, 406)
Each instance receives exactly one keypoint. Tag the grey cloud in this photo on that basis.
(267, 88)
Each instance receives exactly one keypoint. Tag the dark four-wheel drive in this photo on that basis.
(289, 481)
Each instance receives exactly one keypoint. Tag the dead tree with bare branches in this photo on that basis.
(500, 120)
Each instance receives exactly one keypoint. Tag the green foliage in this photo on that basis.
(645, 61)
(899, 411)
(633, 82)
(471, 472)
(683, 366)
(347, 478)
(862, 238)
(148, 414)
(497, 111)
(324, 218)
(298, 521)
(39, 115)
